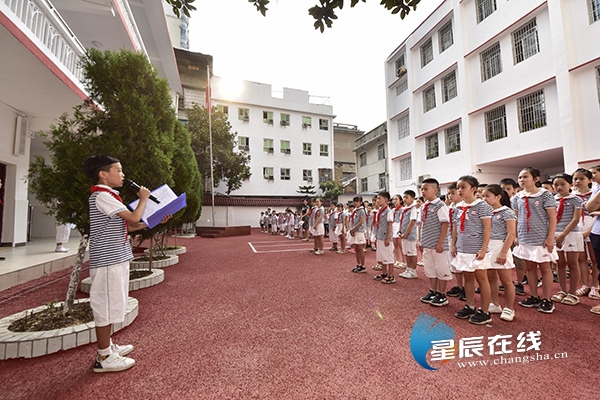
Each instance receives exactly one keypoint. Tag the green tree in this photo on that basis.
(129, 116)
(230, 167)
(331, 189)
(324, 14)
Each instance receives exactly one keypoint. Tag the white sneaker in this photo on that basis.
(122, 350)
(113, 363)
(409, 274)
(318, 252)
(507, 314)
(61, 249)
(377, 267)
(494, 309)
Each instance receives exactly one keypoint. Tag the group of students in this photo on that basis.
(289, 223)
(478, 234)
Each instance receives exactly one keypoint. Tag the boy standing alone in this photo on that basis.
(383, 233)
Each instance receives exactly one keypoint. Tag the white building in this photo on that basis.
(486, 87)
(371, 149)
(40, 79)
(290, 142)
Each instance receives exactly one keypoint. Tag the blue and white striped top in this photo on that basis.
(501, 215)
(470, 240)
(532, 231)
(409, 214)
(433, 214)
(571, 205)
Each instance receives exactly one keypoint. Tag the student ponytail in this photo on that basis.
(497, 190)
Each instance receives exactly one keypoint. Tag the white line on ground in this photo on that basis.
(252, 247)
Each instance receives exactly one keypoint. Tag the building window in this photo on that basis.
(243, 114)
(446, 38)
(426, 53)
(223, 109)
(525, 41)
(402, 87)
(364, 185)
(285, 174)
(491, 62)
(495, 124)
(594, 10)
(485, 8)
(243, 143)
(449, 87)
(382, 181)
(532, 111)
(399, 63)
(268, 117)
(363, 159)
(452, 139)
(285, 119)
(381, 151)
(284, 146)
(403, 127)
(307, 149)
(268, 173)
(405, 168)
(429, 98)
(324, 150)
(306, 122)
(307, 175)
(268, 145)
(432, 146)
(323, 124)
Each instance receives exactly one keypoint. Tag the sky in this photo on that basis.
(342, 67)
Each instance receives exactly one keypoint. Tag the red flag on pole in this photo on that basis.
(208, 91)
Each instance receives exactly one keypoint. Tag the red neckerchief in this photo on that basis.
(406, 209)
(96, 188)
(463, 217)
(450, 214)
(561, 209)
(354, 212)
(582, 197)
(396, 209)
(339, 217)
(378, 215)
(424, 212)
(527, 212)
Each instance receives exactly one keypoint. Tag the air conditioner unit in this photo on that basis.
(270, 150)
(269, 177)
(283, 123)
(401, 71)
(246, 148)
(246, 118)
(270, 121)
(421, 178)
(288, 151)
(305, 126)
(21, 131)
(309, 180)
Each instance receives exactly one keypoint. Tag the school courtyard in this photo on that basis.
(259, 317)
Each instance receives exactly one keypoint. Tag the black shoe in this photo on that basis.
(480, 318)
(546, 306)
(454, 292)
(380, 277)
(462, 296)
(439, 300)
(477, 290)
(465, 312)
(428, 297)
(554, 277)
(501, 288)
(333, 249)
(519, 289)
(525, 281)
(530, 302)
(359, 269)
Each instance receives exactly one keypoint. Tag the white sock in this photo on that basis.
(105, 352)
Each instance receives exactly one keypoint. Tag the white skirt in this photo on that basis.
(495, 247)
(586, 223)
(537, 254)
(573, 243)
(467, 262)
(358, 238)
(395, 229)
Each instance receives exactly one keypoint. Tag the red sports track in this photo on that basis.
(232, 323)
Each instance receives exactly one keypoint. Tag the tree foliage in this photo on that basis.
(331, 189)
(324, 13)
(230, 167)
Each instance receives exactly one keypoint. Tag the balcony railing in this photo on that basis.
(368, 137)
(44, 22)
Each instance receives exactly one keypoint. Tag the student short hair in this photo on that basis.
(333, 203)
(431, 181)
(442, 197)
(385, 195)
(410, 193)
(509, 181)
(482, 185)
(94, 164)
(452, 186)
(546, 183)
(566, 177)
(358, 198)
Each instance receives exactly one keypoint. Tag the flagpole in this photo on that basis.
(210, 146)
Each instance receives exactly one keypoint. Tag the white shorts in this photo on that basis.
(338, 229)
(573, 243)
(436, 265)
(384, 254)
(318, 230)
(495, 249)
(584, 224)
(358, 238)
(409, 248)
(395, 229)
(464, 262)
(537, 254)
(109, 293)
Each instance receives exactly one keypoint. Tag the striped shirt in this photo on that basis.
(409, 214)
(566, 207)
(332, 217)
(355, 218)
(381, 228)
(433, 214)
(316, 214)
(469, 226)
(584, 198)
(501, 215)
(397, 214)
(532, 218)
(108, 231)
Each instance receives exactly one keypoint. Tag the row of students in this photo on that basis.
(286, 223)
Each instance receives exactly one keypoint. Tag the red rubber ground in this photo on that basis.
(228, 323)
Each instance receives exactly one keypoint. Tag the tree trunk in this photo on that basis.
(74, 281)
